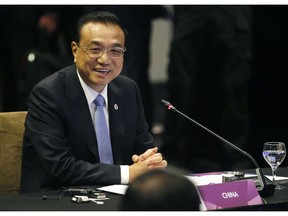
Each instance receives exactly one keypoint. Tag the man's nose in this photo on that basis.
(104, 57)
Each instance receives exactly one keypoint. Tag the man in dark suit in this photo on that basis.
(60, 145)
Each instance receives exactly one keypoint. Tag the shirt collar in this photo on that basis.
(90, 93)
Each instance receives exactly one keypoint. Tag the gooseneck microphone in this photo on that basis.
(266, 189)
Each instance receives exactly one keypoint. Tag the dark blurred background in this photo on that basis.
(35, 42)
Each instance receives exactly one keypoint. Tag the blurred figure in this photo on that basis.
(269, 89)
(208, 75)
(17, 36)
(48, 56)
(21, 34)
(160, 190)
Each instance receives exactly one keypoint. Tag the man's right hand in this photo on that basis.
(148, 160)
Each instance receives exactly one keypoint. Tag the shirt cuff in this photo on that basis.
(124, 169)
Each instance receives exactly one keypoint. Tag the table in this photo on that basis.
(34, 201)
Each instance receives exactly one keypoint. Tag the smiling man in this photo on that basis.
(60, 147)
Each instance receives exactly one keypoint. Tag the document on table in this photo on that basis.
(205, 179)
(117, 189)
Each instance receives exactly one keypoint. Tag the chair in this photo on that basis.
(11, 135)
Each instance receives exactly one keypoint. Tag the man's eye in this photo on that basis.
(115, 51)
(96, 49)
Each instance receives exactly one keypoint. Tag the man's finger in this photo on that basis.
(148, 153)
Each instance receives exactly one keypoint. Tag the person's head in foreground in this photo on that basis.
(160, 190)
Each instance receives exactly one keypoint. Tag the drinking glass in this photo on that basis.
(274, 154)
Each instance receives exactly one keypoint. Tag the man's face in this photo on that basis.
(98, 70)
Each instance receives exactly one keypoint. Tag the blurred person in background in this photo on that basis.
(208, 76)
(49, 55)
(24, 31)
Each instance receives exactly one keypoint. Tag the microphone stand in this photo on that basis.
(266, 189)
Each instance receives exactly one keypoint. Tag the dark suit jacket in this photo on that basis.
(60, 147)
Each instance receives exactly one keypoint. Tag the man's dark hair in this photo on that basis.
(100, 17)
(160, 190)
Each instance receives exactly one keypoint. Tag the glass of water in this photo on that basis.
(274, 154)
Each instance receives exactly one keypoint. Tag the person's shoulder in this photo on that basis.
(124, 83)
(123, 79)
(70, 68)
(56, 76)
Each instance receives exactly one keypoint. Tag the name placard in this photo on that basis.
(228, 195)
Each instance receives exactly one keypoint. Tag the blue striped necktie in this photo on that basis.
(102, 134)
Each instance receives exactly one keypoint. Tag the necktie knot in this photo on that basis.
(99, 101)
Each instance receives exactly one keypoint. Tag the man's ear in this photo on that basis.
(74, 49)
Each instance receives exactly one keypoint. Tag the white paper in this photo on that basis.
(117, 189)
(205, 179)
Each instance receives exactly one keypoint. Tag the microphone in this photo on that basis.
(266, 188)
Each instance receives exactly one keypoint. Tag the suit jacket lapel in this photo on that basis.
(80, 110)
(115, 120)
